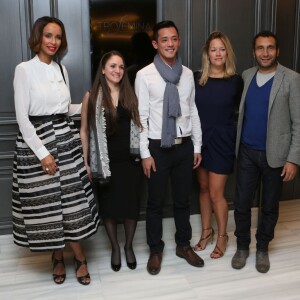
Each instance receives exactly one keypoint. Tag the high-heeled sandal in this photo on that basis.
(217, 249)
(208, 238)
(81, 279)
(55, 262)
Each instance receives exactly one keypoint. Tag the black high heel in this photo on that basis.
(55, 262)
(130, 265)
(115, 267)
(80, 279)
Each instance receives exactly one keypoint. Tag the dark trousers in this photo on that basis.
(252, 167)
(175, 163)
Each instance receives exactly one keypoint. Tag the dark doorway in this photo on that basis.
(123, 25)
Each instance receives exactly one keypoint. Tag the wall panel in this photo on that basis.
(176, 10)
(11, 54)
(200, 19)
(285, 29)
(40, 8)
(75, 15)
(239, 27)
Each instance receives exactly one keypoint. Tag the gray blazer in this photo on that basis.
(283, 131)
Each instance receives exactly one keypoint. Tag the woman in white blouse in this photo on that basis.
(52, 201)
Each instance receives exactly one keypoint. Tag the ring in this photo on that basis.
(47, 169)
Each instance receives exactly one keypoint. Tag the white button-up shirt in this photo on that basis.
(39, 91)
(149, 88)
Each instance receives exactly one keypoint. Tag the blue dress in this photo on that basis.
(217, 101)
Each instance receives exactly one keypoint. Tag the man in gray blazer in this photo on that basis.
(268, 146)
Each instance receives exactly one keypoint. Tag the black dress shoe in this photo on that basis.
(154, 263)
(190, 256)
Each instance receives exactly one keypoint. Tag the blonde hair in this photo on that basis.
(230, 60)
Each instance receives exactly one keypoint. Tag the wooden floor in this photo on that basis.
(25, 275)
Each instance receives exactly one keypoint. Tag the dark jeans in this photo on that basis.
(252, 166)
(175, 163)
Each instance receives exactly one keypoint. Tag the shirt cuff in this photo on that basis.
(42, 153)
(197, 149)
(145, 154)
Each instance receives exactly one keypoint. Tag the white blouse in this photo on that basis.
(40, 90)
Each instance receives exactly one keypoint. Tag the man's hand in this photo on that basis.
(197, 160)
(289, 171)
(147, 164)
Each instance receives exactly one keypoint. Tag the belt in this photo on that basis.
(177, 141)
(47, 118)
(181, 140)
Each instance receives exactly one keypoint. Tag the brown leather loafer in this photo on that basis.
(190, 256)
(154, 263)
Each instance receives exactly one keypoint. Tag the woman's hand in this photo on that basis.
(85, 133)
(88, 169)
(49, 165)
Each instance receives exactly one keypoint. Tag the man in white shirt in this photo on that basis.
(170, 141)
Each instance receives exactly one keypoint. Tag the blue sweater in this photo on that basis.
(254, 132)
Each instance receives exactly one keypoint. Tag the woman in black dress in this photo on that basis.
(218, 92)
(109, 126)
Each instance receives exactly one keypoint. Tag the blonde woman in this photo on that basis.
(218, 92)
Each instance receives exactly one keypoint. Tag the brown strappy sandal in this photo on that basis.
(208, 238)
(217, 249)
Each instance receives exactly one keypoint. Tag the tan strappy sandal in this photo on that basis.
(209, 237)
(217, 250)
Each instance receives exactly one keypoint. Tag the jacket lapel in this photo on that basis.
(247, 81)
(276, 85)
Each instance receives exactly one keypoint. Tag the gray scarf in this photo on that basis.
(171, 102)
(99, 160)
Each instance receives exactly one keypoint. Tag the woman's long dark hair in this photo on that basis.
(127, 97)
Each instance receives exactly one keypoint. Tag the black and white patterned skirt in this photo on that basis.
(49, 211)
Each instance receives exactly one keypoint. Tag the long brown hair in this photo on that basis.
(229, 69)
(127, 97)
